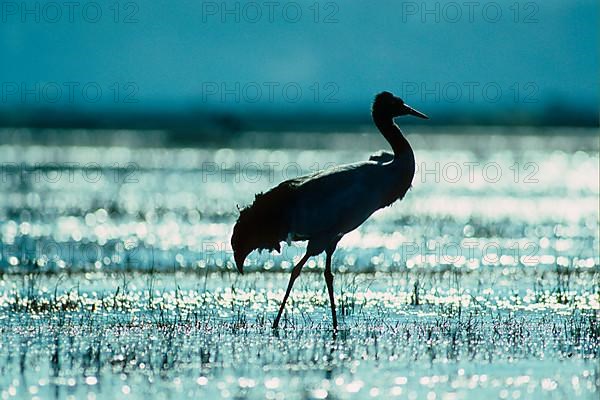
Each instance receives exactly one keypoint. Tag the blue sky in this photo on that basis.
(249, 56)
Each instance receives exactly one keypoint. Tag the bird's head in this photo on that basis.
(386, 105)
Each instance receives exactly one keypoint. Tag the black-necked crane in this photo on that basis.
(324, 206)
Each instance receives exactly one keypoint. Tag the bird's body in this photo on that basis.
(337, 201)
(324, 206)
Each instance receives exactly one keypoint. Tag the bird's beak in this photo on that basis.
(412, 111)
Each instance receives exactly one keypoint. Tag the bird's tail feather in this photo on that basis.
(262, 225)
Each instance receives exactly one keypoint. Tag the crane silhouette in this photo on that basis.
(324, 206)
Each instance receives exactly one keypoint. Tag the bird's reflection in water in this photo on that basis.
(338, 341)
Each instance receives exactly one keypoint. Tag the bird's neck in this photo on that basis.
(392, 134)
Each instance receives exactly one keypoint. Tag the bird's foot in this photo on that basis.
(275, 324)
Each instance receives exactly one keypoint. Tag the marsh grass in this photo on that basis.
(111, 290)
(161, 332)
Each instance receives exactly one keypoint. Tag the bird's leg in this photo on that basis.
(295, 274)
(329, 282)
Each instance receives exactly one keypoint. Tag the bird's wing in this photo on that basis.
(336, 201)
(382, 157)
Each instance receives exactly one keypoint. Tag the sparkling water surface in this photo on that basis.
(117, 278)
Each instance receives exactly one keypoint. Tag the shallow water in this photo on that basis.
(117, 277)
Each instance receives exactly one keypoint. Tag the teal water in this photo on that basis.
(116, 276)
